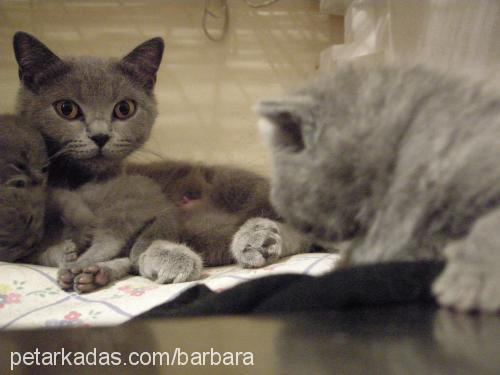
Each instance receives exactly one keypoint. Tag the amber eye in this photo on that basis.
(67, 109)
(124, 109)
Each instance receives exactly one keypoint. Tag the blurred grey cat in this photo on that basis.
(93, 113)
(23, 182)
(405, 161)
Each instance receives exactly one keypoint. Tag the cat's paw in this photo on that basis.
(65, 276)
(69, 252)
(257, 243)
(466, 287)
(91, 278)
(166, 262)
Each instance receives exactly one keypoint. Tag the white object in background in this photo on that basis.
(458, 35)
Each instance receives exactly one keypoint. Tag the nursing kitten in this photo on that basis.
(405, 161)
(93, 113)
(109, 223)
(104, 229)
(23, 181)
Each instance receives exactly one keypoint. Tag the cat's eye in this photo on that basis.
(67, 109)
(17, 183)
(124, 109)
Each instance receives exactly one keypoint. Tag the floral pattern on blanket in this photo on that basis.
(30, 297)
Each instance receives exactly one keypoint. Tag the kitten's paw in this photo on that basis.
(166, 262)
(91, 278)
(257, 243)
(65, 276)
(466, 287)
(70, 252)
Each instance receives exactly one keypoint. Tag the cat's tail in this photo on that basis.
(362, 286)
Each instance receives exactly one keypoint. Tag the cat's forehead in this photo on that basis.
(94, 81)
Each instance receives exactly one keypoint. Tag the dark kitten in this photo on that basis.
(23, 181)
(405, 161)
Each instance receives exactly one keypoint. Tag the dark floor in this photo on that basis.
(391, 340)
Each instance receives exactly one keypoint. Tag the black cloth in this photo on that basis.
(370, 285)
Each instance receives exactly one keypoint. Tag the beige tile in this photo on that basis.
(205, 89)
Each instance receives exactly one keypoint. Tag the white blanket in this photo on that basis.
(30, 297)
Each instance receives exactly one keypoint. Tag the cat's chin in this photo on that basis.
(99, 164)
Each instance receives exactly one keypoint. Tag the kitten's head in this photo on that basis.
(323, 174)
(23, 180)
(92, 112)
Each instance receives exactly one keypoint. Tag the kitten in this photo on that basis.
(23, 180)
(100, 220)
(93, 113)
(103, 230)
(402, 160)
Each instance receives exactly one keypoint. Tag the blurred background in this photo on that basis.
(205, 88)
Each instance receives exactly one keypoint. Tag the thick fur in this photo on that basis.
(404, 161)
(23, 183)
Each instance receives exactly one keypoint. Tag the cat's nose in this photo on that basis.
(100, 139)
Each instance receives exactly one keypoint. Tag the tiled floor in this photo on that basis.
(205, 89)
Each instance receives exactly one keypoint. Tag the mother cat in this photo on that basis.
(406, 161)
(93, 113)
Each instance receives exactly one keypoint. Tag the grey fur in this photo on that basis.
(102, 221)
(230, 196)
(167, 262)
(96, 86)
(23, 182)
(261, 241)
(105, 214)
(402, 160)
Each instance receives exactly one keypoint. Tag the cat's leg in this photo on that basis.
(168, 262)
(55, 255)
(104, 247)
(471, 279)
(261, 241)
(164, 227)
(72, 206)
(101, 274)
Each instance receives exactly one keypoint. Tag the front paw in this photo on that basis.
(166, 262)
(91, 278)
(83, 279)
(69, 256)
(466, 287)
(257, 243)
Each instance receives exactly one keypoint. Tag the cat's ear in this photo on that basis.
(283, 121)
(36, 62)
(143, 62)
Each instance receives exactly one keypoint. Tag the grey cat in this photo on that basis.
(23, 183)
(94, 112)
(100, 230)
(95, 233)
(405, 162)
